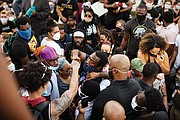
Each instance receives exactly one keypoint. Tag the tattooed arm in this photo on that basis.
(59, 105)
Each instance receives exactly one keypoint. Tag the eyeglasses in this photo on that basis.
(88, 16)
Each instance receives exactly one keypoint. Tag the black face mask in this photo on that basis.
(107, 54)
(110, 74)
(141, 18)
(118, 29)
(152, 55)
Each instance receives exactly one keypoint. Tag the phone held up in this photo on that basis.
(84, 101)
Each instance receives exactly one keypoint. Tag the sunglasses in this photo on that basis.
(89, 16)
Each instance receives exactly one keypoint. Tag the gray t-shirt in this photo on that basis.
(136, 31)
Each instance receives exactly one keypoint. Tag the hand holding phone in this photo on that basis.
(84, 101)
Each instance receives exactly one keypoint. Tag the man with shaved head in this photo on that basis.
(114, 111)
(122, 88)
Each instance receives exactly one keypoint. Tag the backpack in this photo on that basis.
(38, 109)
(7, 47)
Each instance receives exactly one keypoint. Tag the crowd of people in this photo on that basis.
(73, 63)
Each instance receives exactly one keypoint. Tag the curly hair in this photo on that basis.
(150, 41)
(154, 100)
(33, 76)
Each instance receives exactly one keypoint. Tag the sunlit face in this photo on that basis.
(93, 60)
(106, 48)
(155, 51)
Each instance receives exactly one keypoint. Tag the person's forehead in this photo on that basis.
(56, 29)
(141, 10)
(106, 46)
(178, 4)
(88, 13)
(168, 3)
(61, 31)
(71, 19)
(149, 1)
(27, 25)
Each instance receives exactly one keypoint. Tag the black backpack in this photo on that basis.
(38, 109)
(7, 47)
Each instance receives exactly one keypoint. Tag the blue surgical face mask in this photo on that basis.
(26, 34)
(53, 68)
(51, 7)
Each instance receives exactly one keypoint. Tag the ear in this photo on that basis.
(115, 71)
(59, 71)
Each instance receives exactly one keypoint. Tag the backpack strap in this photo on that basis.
(40, 107)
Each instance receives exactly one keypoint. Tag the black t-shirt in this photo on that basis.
(8, 27)
(91, 31)
(136, 31)
(161, 115)
(69, 30)
(87, 49)
(21, 48)
(120, 91)
(153, 13)
(69, 8)
(63, 43)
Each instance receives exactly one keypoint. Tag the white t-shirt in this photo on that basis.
(177, 61)
(54, 45)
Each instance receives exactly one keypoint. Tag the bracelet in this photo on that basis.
(164, 95)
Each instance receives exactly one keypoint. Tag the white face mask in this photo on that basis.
(4, 20)
(11, 67)
(178, 7)
(11, 18)
(149, 5)
(167, 6)
(56, 36)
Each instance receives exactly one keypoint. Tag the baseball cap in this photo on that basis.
(48, 53)
(137, 64)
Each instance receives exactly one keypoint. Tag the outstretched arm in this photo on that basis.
(59, 105)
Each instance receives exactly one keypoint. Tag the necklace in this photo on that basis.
(142, 24)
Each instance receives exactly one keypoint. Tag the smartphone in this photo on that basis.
(84, 101)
